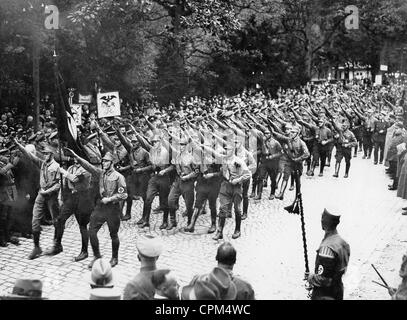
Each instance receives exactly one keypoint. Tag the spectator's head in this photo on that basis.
(222, 281)
(149, 250)
(200, 290)
(329, 221)
(101, 275)
(165, 284)
(226, 255)
(26, 289)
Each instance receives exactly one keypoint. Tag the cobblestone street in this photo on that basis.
(270, 250)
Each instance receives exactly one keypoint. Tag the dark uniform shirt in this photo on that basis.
(141, 287)
(139, 158)
(84, 178)
(330, 265)
(93, 153)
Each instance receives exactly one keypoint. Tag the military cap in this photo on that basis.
(108, 157)
(149, 246)
(330, 216)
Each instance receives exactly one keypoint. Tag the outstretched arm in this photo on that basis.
(31, 156)
(85, 164)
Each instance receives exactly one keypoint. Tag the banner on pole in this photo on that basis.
(85, 98)
(77, 113)
(108, 104)
(72, 126)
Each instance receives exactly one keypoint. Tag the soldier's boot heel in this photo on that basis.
(219, 232)
(35, 253)
(218, 235)
(173, 222)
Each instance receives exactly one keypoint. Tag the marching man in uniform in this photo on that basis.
(47, 196)
(331, 261)
(112, 190)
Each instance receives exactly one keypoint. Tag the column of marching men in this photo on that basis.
(210, 159)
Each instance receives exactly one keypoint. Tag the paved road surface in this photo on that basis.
(270, 251)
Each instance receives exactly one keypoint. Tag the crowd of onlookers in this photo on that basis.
(153, 283)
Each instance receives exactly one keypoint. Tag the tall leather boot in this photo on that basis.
(191, 226)
(238, 222)
(96, 255)
(245, 208)
(337, 167)
(212, 229)
(254, 185)
(37, 250)
(164, 225)
(347, 170)
(85, 242)
(283, 187)
(173, 221)
(311, 171)
(129, 203)
(259, 192)
(57, 246)
(115, 251)
(219, 232)
(146, 217)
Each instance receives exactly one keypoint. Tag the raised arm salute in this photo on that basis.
(112, 190)
(47, 197)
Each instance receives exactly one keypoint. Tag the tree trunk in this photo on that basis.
(308, 62)
(36, 81)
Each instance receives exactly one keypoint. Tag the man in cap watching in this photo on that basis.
(226, 257)
(47, 196)
(141, 287)
(112, 190)
(331, 261)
